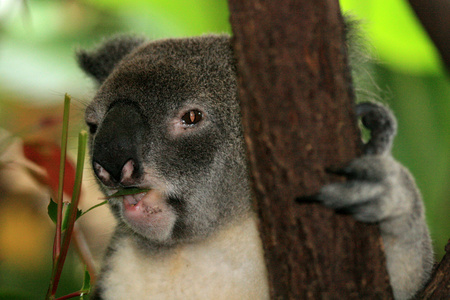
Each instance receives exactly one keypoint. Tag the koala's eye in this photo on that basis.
(192, 117)
(92, 127)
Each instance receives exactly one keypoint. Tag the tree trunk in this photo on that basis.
(297, 106)
(439, 284)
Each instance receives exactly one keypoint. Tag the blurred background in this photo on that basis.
(37, 67)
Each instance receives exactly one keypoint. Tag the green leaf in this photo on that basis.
(52, 210)
(131, 191)
(86, 288)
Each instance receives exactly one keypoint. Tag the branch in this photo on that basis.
(439, 285)
(296, 100)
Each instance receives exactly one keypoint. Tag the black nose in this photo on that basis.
(115, 155)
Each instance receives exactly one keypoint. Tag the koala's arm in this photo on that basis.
(380, 190)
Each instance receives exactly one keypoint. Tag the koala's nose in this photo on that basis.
(127, 176)
(115, 153)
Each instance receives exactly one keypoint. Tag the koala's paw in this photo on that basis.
(374, 189)
(379, 189)
(382, 125)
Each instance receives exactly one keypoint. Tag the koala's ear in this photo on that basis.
(100, 62)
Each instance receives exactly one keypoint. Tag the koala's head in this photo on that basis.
(166, 118)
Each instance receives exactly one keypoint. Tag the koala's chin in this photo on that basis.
(149, 215)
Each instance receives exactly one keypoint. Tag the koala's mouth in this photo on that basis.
(148, 213)
(146, 203)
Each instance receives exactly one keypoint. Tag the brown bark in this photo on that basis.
(297, 108)
(439, 285)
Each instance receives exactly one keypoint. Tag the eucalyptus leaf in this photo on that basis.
(86, 282)
(52, 210)
(130, 191)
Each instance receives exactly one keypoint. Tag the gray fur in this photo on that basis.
(139, 140)
(109, 54)
(162, 79)
(382, 124)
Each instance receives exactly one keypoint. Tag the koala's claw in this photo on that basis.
(382, 125)
(368, 187)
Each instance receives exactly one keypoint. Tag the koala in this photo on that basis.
(166, 118)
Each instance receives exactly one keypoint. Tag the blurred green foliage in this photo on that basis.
(37, 67)
(38, 42)
(410, 78)
(397, 36)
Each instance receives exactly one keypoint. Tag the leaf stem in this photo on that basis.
(82, 140)
(84, 251)
(59, 197)
(62, 166)
(95, 206)
(72, 295)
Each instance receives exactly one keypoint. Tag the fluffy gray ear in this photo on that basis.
(100, 62)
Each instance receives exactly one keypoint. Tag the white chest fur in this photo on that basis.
(228, 265)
